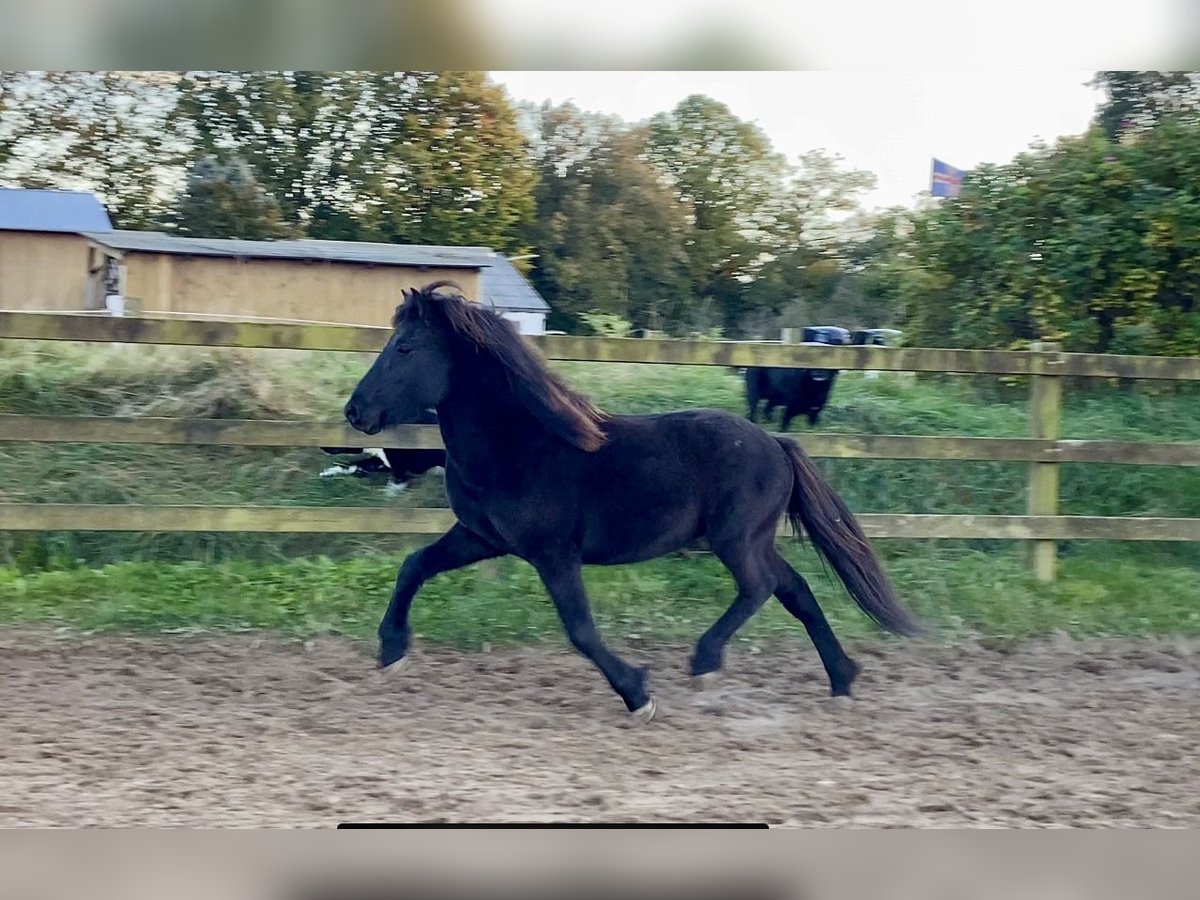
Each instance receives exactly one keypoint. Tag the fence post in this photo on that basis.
(1045, 420)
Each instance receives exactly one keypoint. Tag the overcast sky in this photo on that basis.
(889, 123)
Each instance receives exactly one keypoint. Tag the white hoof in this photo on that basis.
(837, 704)
(393, 669)
(707, 681)
(644, 714)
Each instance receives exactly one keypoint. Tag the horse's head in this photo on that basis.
(441, 341)
(410, 376)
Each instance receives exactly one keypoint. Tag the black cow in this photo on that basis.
(798, 391)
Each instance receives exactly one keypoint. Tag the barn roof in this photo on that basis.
(506, 288)
(322, 251)
(25, 209)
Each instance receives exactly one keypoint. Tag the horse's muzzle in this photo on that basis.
(355, 417)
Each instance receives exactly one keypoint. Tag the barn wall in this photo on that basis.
(343, 293)
(43, 271)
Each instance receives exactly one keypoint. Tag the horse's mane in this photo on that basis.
(544, 394)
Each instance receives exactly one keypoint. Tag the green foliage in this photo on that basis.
(1088, 242)
(730, 179)
(690, 223)
(610, 235)
(403, 157)
(225, 200)
(296, 130)
(1136, 101)
(409, 157)
(760, 234)
(107, 132)
(606, 324)
(687, 223)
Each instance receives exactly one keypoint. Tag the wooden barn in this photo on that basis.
(86, 265)
(43, 253)
(342, 282)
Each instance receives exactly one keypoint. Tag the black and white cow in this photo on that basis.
(401, 465)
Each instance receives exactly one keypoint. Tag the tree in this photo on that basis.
(1087, 242)
(764, 234)
(12, 116)
(297, 130)
(410, 157)
(882, 274)
(446, 162)
(610, 235)
(225, 200)
(807, 279)
(732, 182)
(105, 132)
(822, 200)
(1136, 101)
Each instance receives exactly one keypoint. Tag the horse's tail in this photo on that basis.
(815, 508)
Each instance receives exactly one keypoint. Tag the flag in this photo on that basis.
(945, 180)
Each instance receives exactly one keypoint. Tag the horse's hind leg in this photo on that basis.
(564, 583)
(755, 580)
(797, 598)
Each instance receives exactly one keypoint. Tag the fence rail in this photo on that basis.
(364, 339)
(276, 433)
(1043, 450)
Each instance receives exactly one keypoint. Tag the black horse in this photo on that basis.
(535, 470)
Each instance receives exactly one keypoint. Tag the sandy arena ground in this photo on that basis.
(246, 730)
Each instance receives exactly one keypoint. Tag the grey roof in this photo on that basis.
(506, 288)
(61, 211)
(327, 251)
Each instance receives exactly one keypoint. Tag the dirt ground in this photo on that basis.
(250, 730)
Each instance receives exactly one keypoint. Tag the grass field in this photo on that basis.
(308, 584)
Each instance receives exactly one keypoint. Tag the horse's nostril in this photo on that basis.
(351, 412)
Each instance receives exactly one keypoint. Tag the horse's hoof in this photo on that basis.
(645, 713)
(393, 669)
(706, 681)
(837, 703)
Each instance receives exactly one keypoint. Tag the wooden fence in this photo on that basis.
(1043, 449)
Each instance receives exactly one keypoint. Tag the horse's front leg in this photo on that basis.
(456, 548)
(564, 582)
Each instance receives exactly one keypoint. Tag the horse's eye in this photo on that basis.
(402, 350)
